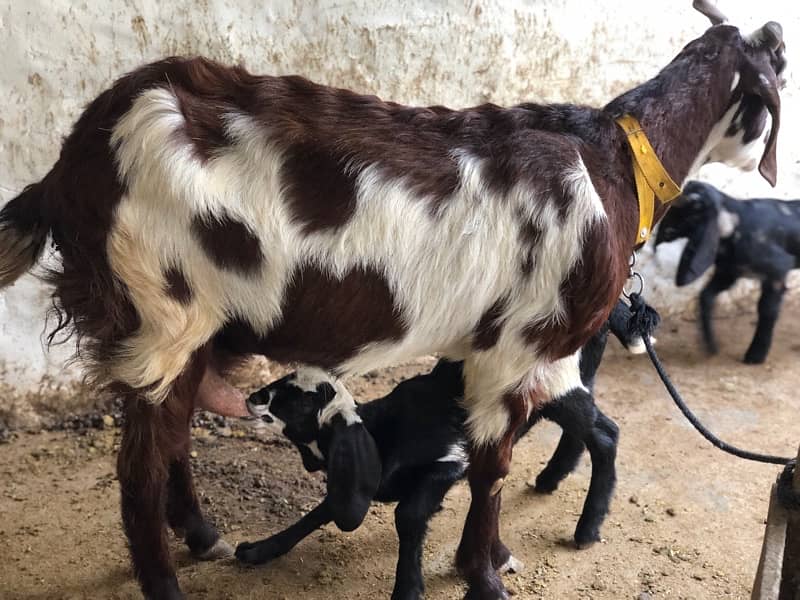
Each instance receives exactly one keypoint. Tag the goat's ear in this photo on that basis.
(354, 473)
(763, 82)
(700, 251)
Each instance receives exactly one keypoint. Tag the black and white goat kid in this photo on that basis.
(757, 239)
(412, 449)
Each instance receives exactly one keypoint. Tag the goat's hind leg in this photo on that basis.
(579, 417)
(564, 459)
(601, 442)
(769, 307)
(143, 472)
(155, 482)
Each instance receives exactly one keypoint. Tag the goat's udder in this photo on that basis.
(218, 396)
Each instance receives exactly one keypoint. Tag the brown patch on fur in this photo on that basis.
(489, 328)
(177, 286)
(324, 320)
(204, 129)
(530, 234)
(321, 190)
(228, 243)
(588, 294)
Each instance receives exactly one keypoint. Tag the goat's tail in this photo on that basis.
(23, 233)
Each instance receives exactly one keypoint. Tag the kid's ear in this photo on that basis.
(354, 473)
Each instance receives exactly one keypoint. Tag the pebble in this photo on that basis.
(645, 596)
(108, 421)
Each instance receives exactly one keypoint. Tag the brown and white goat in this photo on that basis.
(202, 213)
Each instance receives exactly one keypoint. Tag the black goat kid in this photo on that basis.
(419, 452)
(758, 239)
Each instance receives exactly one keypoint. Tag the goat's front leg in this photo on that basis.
(256, 553)
(490, 457)
(769, 307)
(185, 517)
(411, 518)
(722, 280)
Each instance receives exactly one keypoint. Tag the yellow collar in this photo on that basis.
(652, 179)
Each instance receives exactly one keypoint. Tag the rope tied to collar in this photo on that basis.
(643, 321)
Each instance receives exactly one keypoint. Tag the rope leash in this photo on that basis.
(643, 322)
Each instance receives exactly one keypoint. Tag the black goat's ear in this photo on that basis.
(354, 473)
(700, 251)
(762, 81)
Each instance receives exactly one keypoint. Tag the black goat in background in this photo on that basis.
(754, 239)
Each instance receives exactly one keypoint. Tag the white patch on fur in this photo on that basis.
(735, 82)
(727, 222)
(512, 565)
(457, 453)
(730, 150)
(263, 410)
(342, 404)
(308, 378)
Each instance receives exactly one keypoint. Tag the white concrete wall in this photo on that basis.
(58, 54)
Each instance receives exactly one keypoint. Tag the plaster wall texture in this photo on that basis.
(59, 54)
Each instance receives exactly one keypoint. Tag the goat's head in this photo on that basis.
(697, 215)
(743, 137)
(318, 415)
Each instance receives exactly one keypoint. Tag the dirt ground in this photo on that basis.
(686, 521)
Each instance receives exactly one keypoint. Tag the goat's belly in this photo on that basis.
(347, 326)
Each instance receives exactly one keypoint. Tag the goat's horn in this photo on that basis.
(772, 35)
(710, 10)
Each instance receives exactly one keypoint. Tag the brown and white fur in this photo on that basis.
(203, 214)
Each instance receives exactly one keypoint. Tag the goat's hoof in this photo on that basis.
(257, 553)
(488, 587)
(585, 539)
(754, 358)
(543, 485)
(512, 565)
(220, 549)
(164, 589)
(413, 592)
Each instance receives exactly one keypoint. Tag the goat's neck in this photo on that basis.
(679, 118)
